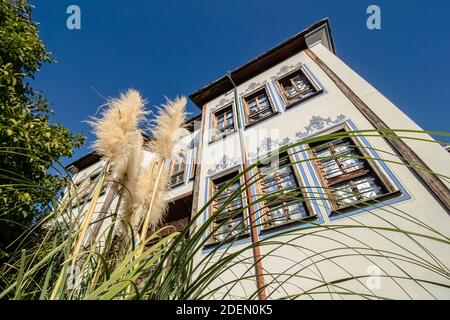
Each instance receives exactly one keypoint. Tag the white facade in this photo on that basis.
(327, 111)
(362, 248)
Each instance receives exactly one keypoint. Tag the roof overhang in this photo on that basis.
(318, 32)
(85, 161)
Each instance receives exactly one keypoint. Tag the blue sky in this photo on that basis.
(169, 48)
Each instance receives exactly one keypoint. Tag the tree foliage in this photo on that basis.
(29, 141)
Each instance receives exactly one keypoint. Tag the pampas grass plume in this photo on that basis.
(168, 128)
(118, 128)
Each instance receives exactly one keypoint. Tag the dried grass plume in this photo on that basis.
(117, 129)
(168, 129)
(145, 187)
(119, 141)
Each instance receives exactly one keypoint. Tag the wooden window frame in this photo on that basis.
(87, 188)
(83, 190)
(308, 76)
(232, 171)
(373, 169)
(182, 173)
(264, 216)
(246, 108)
(193, 161)
(215, 136)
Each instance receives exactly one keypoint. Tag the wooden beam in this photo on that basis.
(197, 165)
(438, 188)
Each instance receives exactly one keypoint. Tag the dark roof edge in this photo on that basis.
(91, 157)
(196, 96)
(83, 162)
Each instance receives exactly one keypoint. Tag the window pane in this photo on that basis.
(262, 97)
(296, 79)
(176, 179)
(278, 216)
(258, 107)
(344, 194)
(351, 179)
(253, 109)
(297, 87)
(265, 113)
(178, 168)
(288, 213)
(288, 182)
(177, 174)
(329, 167)
(297, 211)
(271, 187)
(323, 152)
(282, 183)
(227, 212)
(229, 229)
(233, 205)
(287, 85)
(346, 152)
(352, 164)
(302, 83)
(368, 187)
(224, 123)
(264, 104)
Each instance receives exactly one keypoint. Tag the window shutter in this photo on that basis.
(213, 125)
(193, 162)
(283, 94)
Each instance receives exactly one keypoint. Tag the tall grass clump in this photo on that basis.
(131, 258)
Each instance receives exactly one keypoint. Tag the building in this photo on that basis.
(298, 90)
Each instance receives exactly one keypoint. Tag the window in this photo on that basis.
(350, 180)
(177, 172)
(223, 122)
(258, 107)
(84, 189)
(230, 221)
(287, 205)
(297, 86)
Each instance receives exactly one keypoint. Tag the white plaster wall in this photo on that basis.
(236, 281)
(421, 205)
(432, 154)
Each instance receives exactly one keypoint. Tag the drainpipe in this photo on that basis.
(260, 282)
